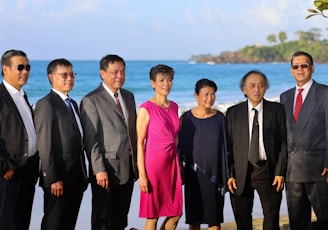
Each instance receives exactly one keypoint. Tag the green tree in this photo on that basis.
(282, 37)
(321, 7)
(272, 38)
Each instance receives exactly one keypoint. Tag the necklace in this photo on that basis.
(165, 104)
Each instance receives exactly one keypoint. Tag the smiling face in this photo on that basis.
(62, 79)
(162, 84)
(114, 76)
(254, 88)
(11, 74)
(206, 97)
(303, 73)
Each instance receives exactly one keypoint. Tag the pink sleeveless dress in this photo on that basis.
(162, 163)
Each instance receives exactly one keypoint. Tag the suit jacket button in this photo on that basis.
(25, 154)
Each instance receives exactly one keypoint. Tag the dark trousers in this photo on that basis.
(16, 196)
(257, 179)
(62, 212)
(110, 207)
(300, 198)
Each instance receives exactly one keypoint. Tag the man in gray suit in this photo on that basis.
(61, 149)
(108, 116)
(266, 173)
(307, 131)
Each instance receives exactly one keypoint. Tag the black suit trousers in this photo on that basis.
(300, 198)
(62, 212)
(16, 196)
(257, 179)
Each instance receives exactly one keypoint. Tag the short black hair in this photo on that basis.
(163, 69)
(110, 58)
(52, 66)
(301, 53)
(6, 57)
(203, 83)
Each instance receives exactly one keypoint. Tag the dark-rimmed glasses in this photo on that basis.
(66, 75)
(20, 67)
(302, 66)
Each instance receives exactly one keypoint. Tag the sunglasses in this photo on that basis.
(20, 67)
(302, 66)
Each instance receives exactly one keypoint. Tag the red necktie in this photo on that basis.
(298, 104)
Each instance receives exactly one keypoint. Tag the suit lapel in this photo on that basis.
(243, 125)
(267, 118)
(306, 110)
(11, 102)
(61, 104)
(289, 108)
(109, 101)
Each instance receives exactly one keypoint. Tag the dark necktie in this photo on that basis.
(28, 103)
(254, 148)
(118, 104)
(298, 104)
(69, 105)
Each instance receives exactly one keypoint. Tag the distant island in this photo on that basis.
(279, 50)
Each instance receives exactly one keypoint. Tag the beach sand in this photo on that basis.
(257, 223)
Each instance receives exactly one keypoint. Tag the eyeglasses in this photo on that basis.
(66, 75)
(303, 66)
(20, 67)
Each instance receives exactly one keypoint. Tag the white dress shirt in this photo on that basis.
(63, 96)
(26, 114)
(119, 98)
(251, 113)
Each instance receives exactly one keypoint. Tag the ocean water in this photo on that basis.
(226, 76)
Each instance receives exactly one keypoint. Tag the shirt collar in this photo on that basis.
(110, 91)
(306, 86)
(259, 107)
(62, 96)
(12, 89)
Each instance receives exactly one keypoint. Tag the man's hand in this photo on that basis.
(102, 179)
(325, 173)
(57, 188)
(232, 185)
(279, 181)
(9, 174)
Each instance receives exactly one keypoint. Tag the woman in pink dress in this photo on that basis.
(159, 170)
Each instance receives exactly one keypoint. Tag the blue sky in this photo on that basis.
(147, 29)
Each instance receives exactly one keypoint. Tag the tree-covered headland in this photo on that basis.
(279, 49)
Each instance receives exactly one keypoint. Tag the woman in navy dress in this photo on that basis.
(202, 148)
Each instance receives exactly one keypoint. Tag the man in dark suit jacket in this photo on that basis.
(307, 171)
(266, 174)
(108, 116)
(19, 161)
(61, 149)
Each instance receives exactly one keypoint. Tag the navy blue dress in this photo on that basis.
(202, 145)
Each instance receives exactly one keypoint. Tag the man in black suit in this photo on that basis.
(260, 166)
(307, 131)
(19, 162)
(61, 149)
